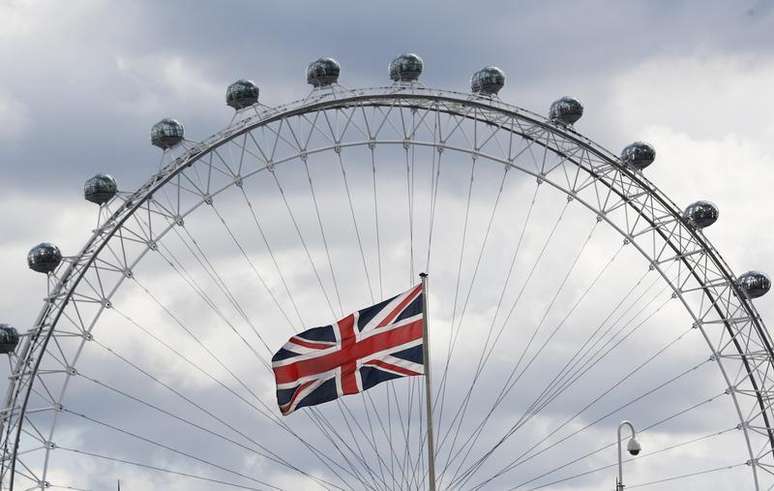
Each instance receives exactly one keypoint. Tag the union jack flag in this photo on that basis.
(371, 346)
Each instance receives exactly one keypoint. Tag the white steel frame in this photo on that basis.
(132, 223)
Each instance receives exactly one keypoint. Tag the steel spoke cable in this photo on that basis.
(315, 415)
(575, 306)
(372, 442)
(258, 274)
(571, 382)
(532, 411)
(435, 176)
(335, 282)
(339, 403)
(220, 362)
(481, 252)
(158, 469)
(563, 385)
(468, 295)
(417, 473)
(561, 324)
(393, 458)
(355, 225)
(168, 448)
(195, 366)
(187, 399)
(372, 148)
(377, 228)
(409, 155)
(306, 248)
(409, 414)
(308, 256)
(564, 319)
(571, 363)
(612, 343)
(240, 310)
(412, 462)
(524, 457)
(502, 327)
(529, 276)
(362, 456)
(193, 336)
(600, 353)
(174, 262)
(179, 268)
(681, 412)
(301, 239)
(179, 355)
(440, 393)
(269, 249)
(268, 455)
(402, 428)
(332, 435)
(691, 474)
(322, 235)
(371, 292)
(655, 452)
(220, 282)
(482, 359)
(510, 382)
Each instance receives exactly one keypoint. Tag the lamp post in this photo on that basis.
(633, 447)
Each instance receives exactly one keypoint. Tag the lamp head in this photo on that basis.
(633, 446)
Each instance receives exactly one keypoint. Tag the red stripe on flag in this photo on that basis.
(285, 409)
(348, 340)
(350, 353)
(392, 368)
(402, 305)
(310, 344)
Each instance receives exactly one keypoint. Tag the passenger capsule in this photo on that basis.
(754, 284)
(44, 258)
(167, 133)
(488, 81)
(9, 338)
(100, 189)
(406, 68)
(638, 155)
(701, 214)
(241, 94)
(566, 110)
(323, 72)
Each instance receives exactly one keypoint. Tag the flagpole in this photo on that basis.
(428, 387)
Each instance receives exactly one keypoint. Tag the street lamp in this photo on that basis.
(633, 447)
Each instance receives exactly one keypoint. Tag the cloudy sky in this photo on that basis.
(83, 81)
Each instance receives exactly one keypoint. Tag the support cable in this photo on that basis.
(660, 451)
(158, 469)
(660, 422)
(556, 394)
(168, 448)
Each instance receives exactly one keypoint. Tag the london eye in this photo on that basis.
(567, 292)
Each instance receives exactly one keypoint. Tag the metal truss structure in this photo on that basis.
(407, 115)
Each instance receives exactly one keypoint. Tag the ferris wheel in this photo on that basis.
(567, 292)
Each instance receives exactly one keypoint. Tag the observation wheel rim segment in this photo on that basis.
(405, 97)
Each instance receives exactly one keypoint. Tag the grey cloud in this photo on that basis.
(88, 80)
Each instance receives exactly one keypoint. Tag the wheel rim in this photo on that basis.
(712, 282)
